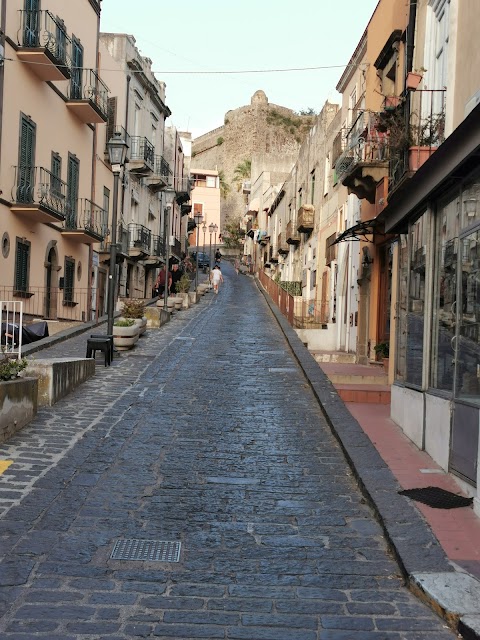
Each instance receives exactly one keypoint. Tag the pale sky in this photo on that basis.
(229, 35)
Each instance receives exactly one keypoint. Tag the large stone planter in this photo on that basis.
(125, 337)
(142, 325)
(185, 300)
(18, 405)
(192, 297)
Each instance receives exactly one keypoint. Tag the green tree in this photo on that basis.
(233, 234)
(224, 186)
(242, 172)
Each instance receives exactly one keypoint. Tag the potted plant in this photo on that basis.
(134, 309)
(125, 333)
(413, 79)
(183, 287)
(18, 396)
(382, 351)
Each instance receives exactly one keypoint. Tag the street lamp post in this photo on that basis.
(169, 198)
(198, 217)
(117, 152)
(215, 229)
(210, 230)
(204, 229)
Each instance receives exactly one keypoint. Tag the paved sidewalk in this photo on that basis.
(207, 434)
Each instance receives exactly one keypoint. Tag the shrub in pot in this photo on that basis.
(134, 309)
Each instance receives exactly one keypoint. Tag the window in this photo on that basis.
(436, 55)
(61, 41)
(73, 174)
(197, 208)
(26, 161)
(211, 182)
(77, 70)
(56, 169)
(445, 295)
(330, 249)
(400, 360)
(69, 281)
(22, 265)
(326, 179)
(31, 24)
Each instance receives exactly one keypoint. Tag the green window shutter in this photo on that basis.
(69, 280)
(31, 23)
(77, 64)
(26, 161)
(56, 174)
(21, 266)
(73, 174)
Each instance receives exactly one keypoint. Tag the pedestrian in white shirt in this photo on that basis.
(216, 277)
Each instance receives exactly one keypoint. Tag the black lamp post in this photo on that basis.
(215, 229)
(210, 230)
(204, 229)
(169, 194)
(198, 217)
(117, 152)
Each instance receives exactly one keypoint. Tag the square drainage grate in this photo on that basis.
(146, 550)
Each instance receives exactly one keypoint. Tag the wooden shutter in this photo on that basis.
(56, 174)
(77, 64)
(21, 266)
(26, 161)
(69, 280)
(73, 175)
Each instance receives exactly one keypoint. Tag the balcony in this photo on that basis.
(38, 195)
(306, 218)
(43, 43)
(161, 176)
(142, 155)
(365, 159)
(177, 248)
(282, 246)
(87, 96)
(139, 241)
(156, 255)
(183, 187)
(87, 227)
(292, 236)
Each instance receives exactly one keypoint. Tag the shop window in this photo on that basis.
(467, 343)
(401, 347)
(416, 301)
(445, 296)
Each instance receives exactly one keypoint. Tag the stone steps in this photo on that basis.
(367, 393)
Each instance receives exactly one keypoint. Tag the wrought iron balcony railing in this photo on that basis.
(139, 237)
(142, 150)
(37, 185)
(91, 218)
(85, 84)
(158, 246)
(41, 29)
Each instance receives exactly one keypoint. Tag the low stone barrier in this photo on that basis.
(156, 316)
(59, 376)
(18, 405)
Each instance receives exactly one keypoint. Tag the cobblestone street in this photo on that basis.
(207, 434)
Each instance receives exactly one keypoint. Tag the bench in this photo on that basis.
(103, 344)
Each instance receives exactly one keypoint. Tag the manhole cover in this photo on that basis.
(147, 550)
(437, 498)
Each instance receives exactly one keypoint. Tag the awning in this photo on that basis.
(253, 206)
(360, 231)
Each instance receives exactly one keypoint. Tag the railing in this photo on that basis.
(177, 247)
(363, 144)
(85, 84)
(162, 168)
(292, 233)
(52, 303)
(11, 319)
(142, 150)
(139, 237)
(36, 185)
(158, 246)
(92, 218)
(42, 29)
(284, 300)
(310, 314)
(183, 185)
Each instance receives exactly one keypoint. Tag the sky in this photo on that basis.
(228, 36)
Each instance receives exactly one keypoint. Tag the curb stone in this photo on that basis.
(454, 595)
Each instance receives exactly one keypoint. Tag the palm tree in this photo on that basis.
(242, 172)
(224, 186)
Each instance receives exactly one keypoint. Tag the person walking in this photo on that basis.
(216, 277)
(176, 275)
(160, 282)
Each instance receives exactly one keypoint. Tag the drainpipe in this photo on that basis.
(3, 20)
(409, 49)
(127, 96)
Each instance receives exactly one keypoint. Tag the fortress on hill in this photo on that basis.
(255, 129)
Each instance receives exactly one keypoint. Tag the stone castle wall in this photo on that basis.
(259, 127)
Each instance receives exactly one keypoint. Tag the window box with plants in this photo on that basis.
(18, 396)
(125, 334)
(134, 309)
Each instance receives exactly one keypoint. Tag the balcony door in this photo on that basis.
(26, 161)
(77, 69)
(73, 174)
(31, 23)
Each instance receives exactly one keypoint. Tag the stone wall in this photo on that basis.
(259, 127)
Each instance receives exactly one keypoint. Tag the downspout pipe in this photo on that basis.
(3, 22)
(127, 104)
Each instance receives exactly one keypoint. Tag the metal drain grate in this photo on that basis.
(147, 550)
